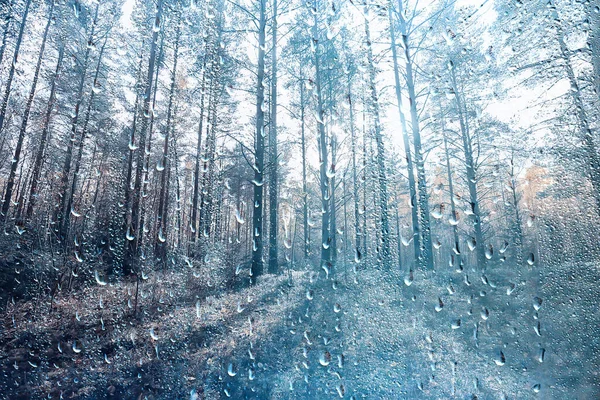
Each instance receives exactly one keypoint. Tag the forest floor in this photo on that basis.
(189, 340)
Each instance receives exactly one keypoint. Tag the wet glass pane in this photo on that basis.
(299, 199)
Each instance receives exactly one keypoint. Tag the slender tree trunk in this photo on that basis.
(456, 245)
(131, 147)
(323, 156)
(17, 156)
(148, 150)
(66, 170)
(160, 245)
(131, 250)
(399, 233)
(365, 230)
(84, 131)
(25, 120)
(306, 245)
(259, 152)
(273, 179)
(518, 224)
(381, 177)
(412, 186)
(333, 213)
(355, 194)
(208, 188)
(11, 72)
(426, 246)
(39, 157)
(196, 195)
(471, 170)
(7, 20)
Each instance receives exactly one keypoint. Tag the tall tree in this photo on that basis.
(131, 250)
(274, 160)
(259, 149)
(15, 162)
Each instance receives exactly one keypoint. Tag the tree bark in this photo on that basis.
(323, 156)
(259, 152)
(84, 131)
(131, 251)
(39, 157)
(471, 170)
(412, 187)
(273, 179)
(456, 248)
(426, 259)
(160, 250)
(381, 172)
(11, 72)
(196, 194)
(17, 155)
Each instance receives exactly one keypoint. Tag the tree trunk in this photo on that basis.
(11, 72)
(259, 152)
(333, 213)
(412, 187)
(518, 224)
(456, 246)
(426, 259)
(131, 147)
(471, 169)
(196, 194)
(148, 150)
(7, 20)
(306, 245)
(64, 182)
(131, 250)
(273, 179)
(84, 131)
(381, 176)
(323, 156)
(39, 157)
(355, 194)
(160, 250)
(15, 161)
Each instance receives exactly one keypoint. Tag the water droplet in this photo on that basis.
(76, 349)
(99, 281)
(239, 218)
(531, 259)
(489, 251)
(440, 305)
(438, 211)
(129, 235)
(500, 359)
(471, 243)
(485, 314)
(541, 355)
(408, 280)
(230, 370)
(161, 235)
(325, 358)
